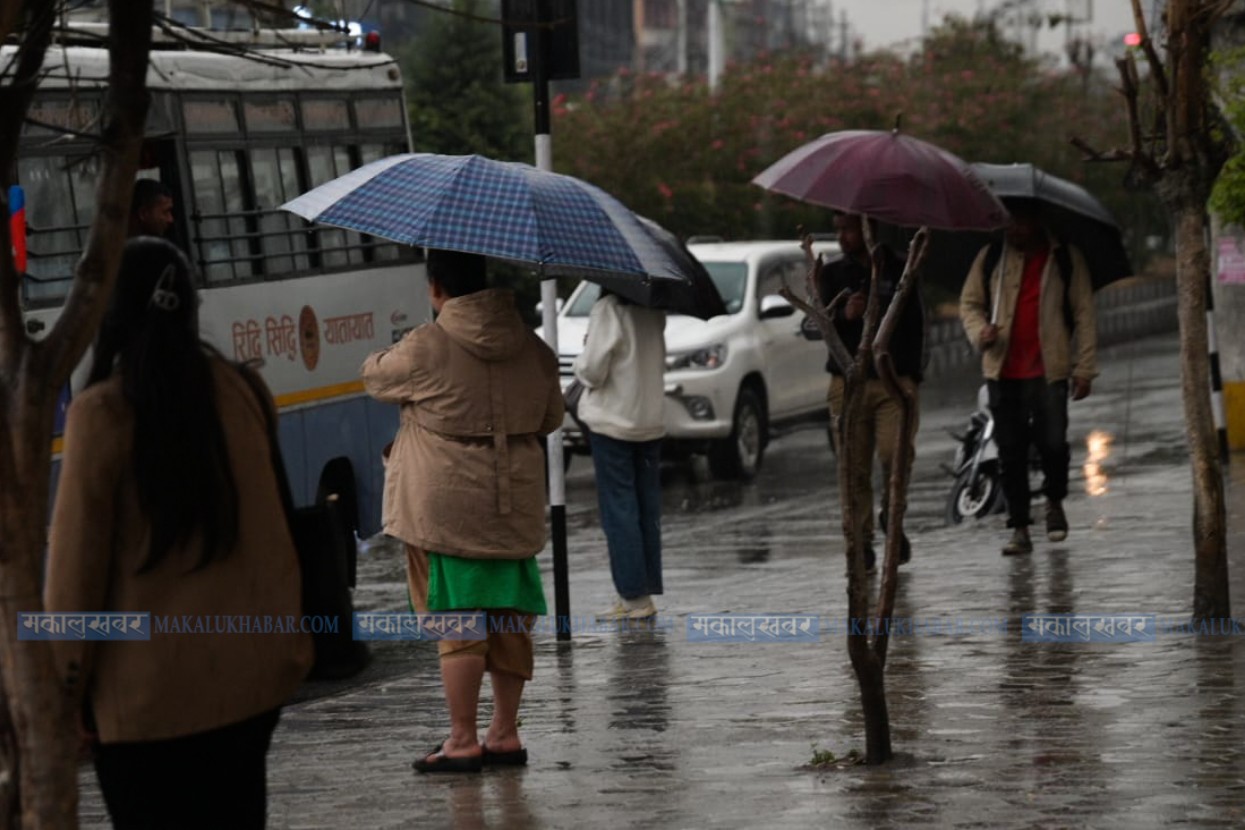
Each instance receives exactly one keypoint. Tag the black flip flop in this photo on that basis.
(443, 763)
(513, 758)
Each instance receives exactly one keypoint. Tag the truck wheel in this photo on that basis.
(739, 456)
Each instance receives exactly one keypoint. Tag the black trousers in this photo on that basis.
(212, 779)
(1030, 412)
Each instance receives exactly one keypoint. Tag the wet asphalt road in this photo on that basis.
(647, 729)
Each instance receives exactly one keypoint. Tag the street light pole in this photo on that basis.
(716, 50)
(549, 319)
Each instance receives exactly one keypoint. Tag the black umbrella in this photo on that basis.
(1070, 211)
(697, 296)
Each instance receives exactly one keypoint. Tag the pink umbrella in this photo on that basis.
(889, 176)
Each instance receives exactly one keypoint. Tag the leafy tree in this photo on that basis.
(674, 152)
(456, 98)
(1228, 197)
(1178, 147)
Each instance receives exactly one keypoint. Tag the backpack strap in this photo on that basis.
(1063, 260)
(994, 251)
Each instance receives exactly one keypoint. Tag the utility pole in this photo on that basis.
(680, 59)
(716, 48)
(530, 51)
(843, 35)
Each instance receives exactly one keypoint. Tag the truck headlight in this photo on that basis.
(709, 358)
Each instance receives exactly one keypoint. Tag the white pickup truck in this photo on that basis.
(734, 381)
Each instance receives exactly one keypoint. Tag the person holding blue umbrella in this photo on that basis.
(465, 491)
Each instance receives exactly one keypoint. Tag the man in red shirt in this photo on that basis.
(1022, 317)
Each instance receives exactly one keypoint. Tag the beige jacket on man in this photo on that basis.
(1060, 357)
(176, 684)
(478, 391)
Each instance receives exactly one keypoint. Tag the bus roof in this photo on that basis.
(275, 70)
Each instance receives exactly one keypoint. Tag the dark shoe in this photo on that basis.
(1020, 543)
(905, 550)
(1056, 522)
(514, 758)
(436, 761)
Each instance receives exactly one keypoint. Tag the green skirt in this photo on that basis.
(458, 584)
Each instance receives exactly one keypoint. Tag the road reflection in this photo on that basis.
(1098, 448)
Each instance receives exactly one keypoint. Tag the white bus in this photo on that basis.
(233, 137)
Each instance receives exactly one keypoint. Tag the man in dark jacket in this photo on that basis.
(853, 273)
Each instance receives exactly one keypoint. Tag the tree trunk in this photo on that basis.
(45, 731)
(897, 485)
(38, 731)
(1210, 569)
(868, 667)
(868, 664)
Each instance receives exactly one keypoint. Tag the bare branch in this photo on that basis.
(1092, 154)
(1152, 56)
(129, 44)
(873, 307)
(821, 315)
(897, 486)
(1129, 88)
(15, 98)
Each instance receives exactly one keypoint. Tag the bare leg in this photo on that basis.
(503, 731)
(461, 675)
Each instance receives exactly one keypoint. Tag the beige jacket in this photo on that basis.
(478, 391)
(1060, 356)
(623, 368)
(177, 683)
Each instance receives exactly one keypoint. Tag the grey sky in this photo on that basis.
(886, 22)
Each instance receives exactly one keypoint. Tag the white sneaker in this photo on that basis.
(641, 608)
(618, 611)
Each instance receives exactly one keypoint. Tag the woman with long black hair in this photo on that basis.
(168, 503)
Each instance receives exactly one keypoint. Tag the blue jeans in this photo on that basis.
(629, 494)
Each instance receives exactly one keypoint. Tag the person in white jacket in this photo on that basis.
(622, 368)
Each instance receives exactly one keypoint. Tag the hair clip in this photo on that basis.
(163, 297)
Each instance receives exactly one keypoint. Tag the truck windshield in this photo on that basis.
(731, 279)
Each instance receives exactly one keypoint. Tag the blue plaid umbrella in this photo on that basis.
(512, 211)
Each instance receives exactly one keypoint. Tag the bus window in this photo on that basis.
(325, 114)
(371, 113)
(60, 204)
(45, 117)
(275, 175)
(270, 116)
(337, 247)
(210, 116)
(224, 249)
(367, 154)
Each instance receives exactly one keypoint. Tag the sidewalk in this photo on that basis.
(647, 729)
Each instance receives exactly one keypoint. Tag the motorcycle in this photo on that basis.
(978, 488)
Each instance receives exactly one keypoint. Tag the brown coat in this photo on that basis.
(478, 390)
(1059, 355)
(176, 684)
